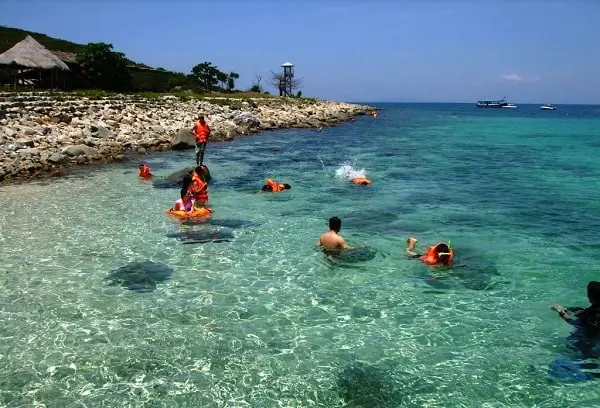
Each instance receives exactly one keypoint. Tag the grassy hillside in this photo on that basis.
(10, 36)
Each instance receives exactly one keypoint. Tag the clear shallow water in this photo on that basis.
(264, 320)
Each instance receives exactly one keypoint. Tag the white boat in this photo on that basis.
(510, 106)
(548, 106)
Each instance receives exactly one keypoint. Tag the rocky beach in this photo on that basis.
(42, 133)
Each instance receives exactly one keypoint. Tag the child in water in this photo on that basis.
(438, 254)
(185, 203)
(144, 171)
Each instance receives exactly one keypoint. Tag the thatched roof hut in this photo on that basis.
(31, 54)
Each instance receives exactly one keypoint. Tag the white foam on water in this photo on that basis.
(347, 171)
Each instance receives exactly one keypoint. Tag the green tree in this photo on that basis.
(104, 68)
(222, 77)
(207, 75)
(231, 80)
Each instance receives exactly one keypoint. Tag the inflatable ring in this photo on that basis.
(197, 213)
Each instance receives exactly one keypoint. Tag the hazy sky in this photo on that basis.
(379, 50)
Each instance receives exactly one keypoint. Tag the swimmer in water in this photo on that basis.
(588, 318)
(331, 241)
(438, 254)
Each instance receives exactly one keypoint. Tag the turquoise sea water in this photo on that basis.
(262, 319)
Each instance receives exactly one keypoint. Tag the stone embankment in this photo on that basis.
(42, 133)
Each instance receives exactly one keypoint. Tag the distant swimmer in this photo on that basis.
(202, 132)
(588, 318)
(331, 240)
(144, 171)
(436, 255)
(361, 181)
(273, 186)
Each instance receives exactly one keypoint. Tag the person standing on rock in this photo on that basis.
(202, 132)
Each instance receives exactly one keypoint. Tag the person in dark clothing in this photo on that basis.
(585, 318)
(579, 361)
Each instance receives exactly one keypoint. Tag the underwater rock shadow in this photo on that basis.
(366, 386)
(469, 271)
(140, 276)
(202, 236)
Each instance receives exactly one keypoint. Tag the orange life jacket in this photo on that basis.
(431, 257)
(361, 181)
(275, 186)
(198, 189)
(201, 131)
(145, 172)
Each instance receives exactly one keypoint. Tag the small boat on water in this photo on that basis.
(510, 106)
(499, 103)
(548, 106)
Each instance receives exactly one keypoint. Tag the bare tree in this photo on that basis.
(278, 82)
(258, 79)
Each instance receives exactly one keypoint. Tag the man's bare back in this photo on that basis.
(331, 241)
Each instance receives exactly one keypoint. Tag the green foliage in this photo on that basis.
(207, 75)
(299, 94)
(105, 68)
(10, 36)
(255, 88)
(231, 80)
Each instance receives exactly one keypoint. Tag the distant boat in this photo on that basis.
(510, 106)
(500, 103)
(548, 106)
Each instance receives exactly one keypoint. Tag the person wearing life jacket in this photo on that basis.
(274, 186)
(144, 171)
(436, 255)
(185, 203)
(202, 131)
(361, 181)
(198, 189)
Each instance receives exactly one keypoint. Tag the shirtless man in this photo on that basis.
(331, 240)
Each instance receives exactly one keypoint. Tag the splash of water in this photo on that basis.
(348, 172)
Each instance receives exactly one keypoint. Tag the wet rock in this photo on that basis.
(183, 139)
(58, 158)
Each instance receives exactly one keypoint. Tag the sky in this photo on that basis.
(529, 51)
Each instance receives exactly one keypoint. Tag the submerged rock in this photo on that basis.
(140, 276)
(202, 236)
(363, 385)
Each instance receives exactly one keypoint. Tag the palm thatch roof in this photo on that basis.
(31, 54)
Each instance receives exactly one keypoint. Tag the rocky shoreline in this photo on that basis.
(41, 133)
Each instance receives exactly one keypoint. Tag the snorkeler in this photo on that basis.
(438, 254)
(274, 186)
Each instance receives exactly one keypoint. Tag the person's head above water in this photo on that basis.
(286, 186)
(335, 224)
(199, 170)
(443, 253)
(141, 166)
(593, 292)
(201, 118)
